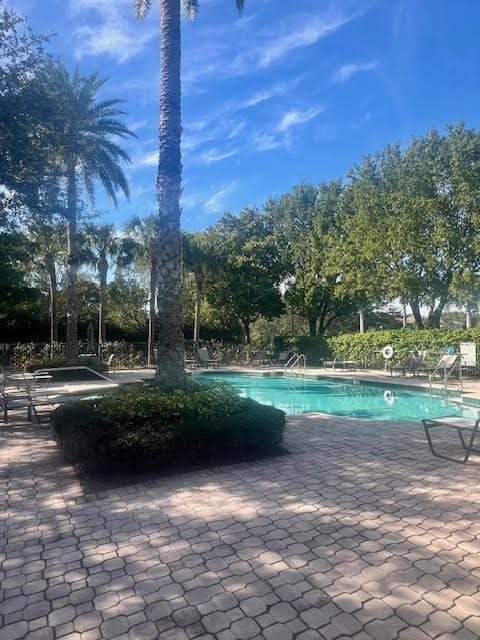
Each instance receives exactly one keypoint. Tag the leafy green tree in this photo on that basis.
(103, 247)
(48, 242)
(169, 177)
(144, 234)
(249, 271)
(413, 219)
(26, 174)
(304, 224)
(85, 133)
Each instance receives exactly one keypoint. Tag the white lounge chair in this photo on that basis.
(205, 359)
(461, 425)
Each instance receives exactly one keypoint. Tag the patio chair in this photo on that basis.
(461, 425)
(205, 359)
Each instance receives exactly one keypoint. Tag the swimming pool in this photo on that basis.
(342, 397)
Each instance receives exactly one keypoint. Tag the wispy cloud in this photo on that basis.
(294, 118)
(214, 155)
(346, 71)
(311, 29)
(148, 159)
(207, 57)
(262, 141)
(110, 28)
(217, 202)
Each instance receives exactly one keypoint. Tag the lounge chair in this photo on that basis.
(205, 359)
(461, 425)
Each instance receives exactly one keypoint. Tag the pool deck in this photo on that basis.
(355, 532)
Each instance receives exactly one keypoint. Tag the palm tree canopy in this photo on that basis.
(48, 240)
(143, 233)
(101, 242)
(85, 130)
(190, 7)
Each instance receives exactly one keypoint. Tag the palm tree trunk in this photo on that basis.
(72, 313)
(198, 304)
(152, 315)
(361, 320)
(102, 301)
(52, 292)
(468, 318)
(170, 365)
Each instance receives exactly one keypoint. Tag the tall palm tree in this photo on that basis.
(144, 233)
(170, 369)
(102, 246)
(199, 259)
(49, 249)
(84, 132)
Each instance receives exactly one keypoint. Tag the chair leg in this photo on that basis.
(468, 448)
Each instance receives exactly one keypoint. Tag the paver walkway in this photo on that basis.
(357, 533)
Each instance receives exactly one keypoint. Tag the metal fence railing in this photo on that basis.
(122, 355)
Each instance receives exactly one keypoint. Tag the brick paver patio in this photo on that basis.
(356, 533)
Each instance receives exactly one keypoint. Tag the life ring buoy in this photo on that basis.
(389, 397)
(387, 352)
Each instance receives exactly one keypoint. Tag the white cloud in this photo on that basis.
(216, 203)
(137, 125)
(267, 142)
(109, 28)
(214, 155)
(312, 29)
(148, 159)
(210, 55)
(346, 71)
(294, 118)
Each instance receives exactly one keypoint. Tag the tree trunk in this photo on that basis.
(102, 301)
(72, 266)
(170, 365)
(361, 320)
(151, 312)
(246, 330)
(436, 315)
(198, 304)
(468, 318)
(415, 306)
(52, 294)
(312, 326)
(404, 316)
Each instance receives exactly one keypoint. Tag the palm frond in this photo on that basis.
(142, 7)
(190, 8)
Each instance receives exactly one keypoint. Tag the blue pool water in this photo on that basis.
(342, 397)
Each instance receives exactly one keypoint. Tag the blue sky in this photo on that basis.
(293, 90)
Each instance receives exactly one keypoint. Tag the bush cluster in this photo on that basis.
(141, 424)
(367, 347)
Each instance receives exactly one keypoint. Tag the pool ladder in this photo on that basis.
(298, 360)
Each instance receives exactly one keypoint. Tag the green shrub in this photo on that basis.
(315, 348)
(142, 424)
(367, 347)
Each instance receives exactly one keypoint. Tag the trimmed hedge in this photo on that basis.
(141, 424)
(366, 347)
(315, 348)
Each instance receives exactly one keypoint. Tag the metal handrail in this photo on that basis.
(295, 360)
(447, 373)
